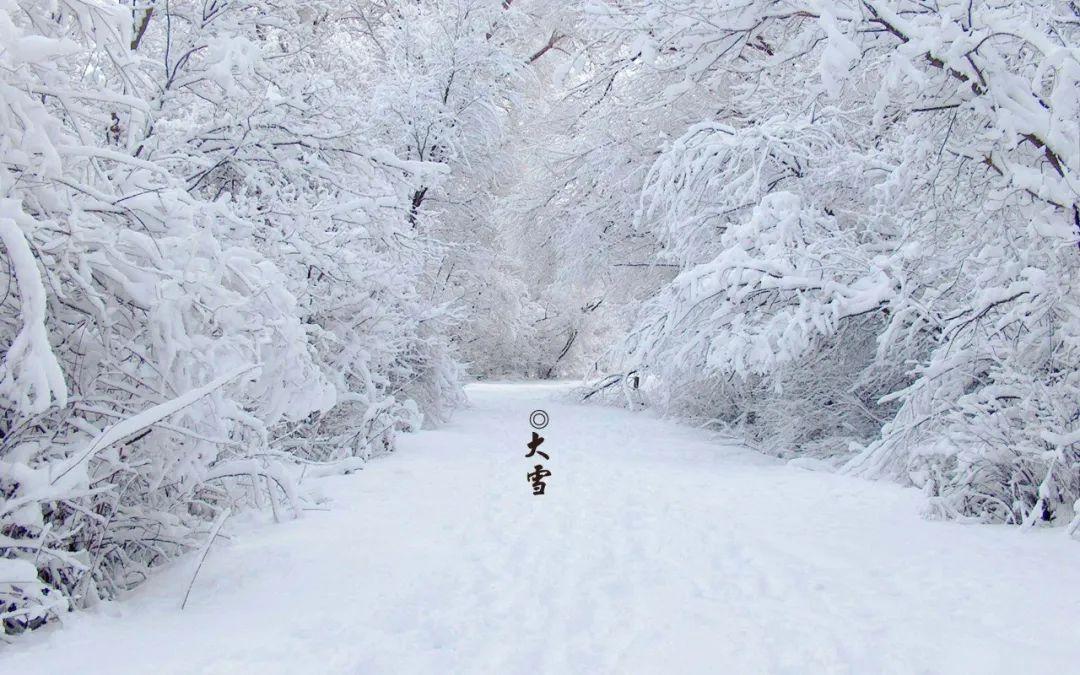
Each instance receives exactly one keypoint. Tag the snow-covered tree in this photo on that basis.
(210, 276)
(872, 210)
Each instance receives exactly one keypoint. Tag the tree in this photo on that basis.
(871, 208)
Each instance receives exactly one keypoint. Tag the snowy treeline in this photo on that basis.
(239, 236)
(843, 228)
(243, 237)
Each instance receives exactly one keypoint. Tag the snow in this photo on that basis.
(145, 419)
(30, 376)
(657, 548)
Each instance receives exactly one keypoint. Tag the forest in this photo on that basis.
(248, 244)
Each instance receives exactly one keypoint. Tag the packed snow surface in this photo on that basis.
(657, 548)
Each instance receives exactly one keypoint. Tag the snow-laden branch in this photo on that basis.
(144, 420)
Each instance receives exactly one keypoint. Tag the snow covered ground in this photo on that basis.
(656, 549)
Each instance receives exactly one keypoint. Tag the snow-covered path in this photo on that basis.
(656, 549)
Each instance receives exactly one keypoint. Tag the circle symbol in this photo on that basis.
(538, 419)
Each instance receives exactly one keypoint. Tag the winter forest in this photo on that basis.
(255, 248)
